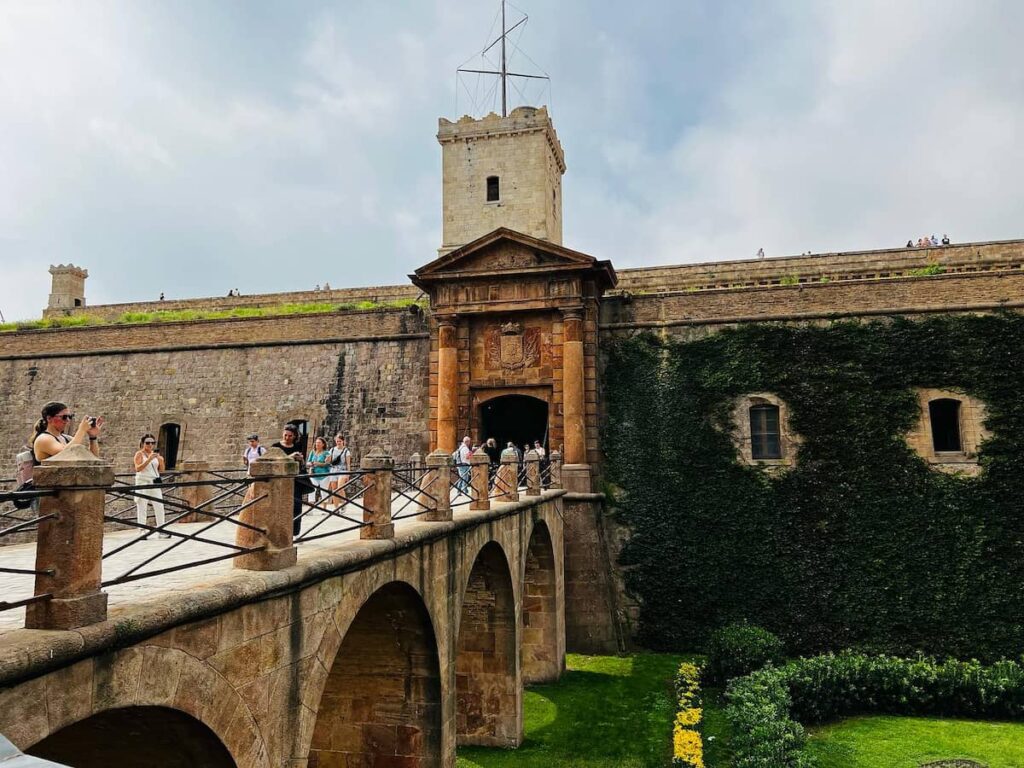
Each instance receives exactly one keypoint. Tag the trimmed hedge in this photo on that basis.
(766, 708)
(740, 649)
(861, 544)
(687, 744)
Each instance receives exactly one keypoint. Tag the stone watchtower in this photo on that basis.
(67, 288)
(501, 172)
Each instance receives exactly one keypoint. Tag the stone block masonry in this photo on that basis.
(375, 391)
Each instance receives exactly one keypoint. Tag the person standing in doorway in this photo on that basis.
(287, 443)
(493, 458)
(149, 465)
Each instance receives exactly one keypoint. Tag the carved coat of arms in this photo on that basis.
(510, 348)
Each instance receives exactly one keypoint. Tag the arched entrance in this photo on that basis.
(382, 701)
(541, 658)
(521, 419)
(488, 690)
(156, 737)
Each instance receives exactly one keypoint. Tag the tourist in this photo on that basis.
(319, 463)
(760, 253)
(161, 295)
(253, 451)
(910, 243)
(462, 454)
(149, 464)
(945, 239)
(50, 437)
(341, 465)
(289, 434)
(539, 449)
(493, 456)
(934, 240)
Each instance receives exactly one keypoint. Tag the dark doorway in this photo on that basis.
(303, 437)
(154, 737)
(519, 418)
(167, 443)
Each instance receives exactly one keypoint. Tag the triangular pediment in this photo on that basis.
(504, 251)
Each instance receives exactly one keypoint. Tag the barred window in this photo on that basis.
(765, 437)
(945, 417)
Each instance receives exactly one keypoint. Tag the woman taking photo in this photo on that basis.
(341, 465)
(319, 462)
(50, 438)
(149, 465)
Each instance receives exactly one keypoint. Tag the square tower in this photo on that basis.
(500, 172)
(67, 287)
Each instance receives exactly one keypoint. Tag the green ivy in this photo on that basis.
(860, 544)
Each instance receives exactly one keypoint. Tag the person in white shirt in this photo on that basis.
(341, 466)
(463, 453)
(149, 465)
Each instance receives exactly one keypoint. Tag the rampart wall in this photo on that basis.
(364, 373)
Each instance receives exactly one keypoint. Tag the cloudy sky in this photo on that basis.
(193, 147)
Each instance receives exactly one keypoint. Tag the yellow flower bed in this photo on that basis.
(687, 746)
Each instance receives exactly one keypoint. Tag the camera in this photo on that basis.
(92, 421)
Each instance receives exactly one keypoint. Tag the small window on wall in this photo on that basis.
(167, 443)
(765, 435)
(945, 418)
(493, 190)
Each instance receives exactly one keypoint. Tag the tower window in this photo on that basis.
(493, 190)
(945, 417)
(765, 438)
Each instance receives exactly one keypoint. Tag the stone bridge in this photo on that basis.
(385, 646)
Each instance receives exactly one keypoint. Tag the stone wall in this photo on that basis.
(374, 390)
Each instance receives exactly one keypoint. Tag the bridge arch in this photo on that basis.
(488, 684)
(542, 659)
(145, 687)
(381, 701)
(157, 737)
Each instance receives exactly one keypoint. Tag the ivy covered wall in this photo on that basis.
(861, 543)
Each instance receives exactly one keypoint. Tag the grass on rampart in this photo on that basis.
(179, 315)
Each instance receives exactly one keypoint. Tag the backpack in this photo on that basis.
(25, 461)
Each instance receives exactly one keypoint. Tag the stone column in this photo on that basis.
(70, 545)
(438, 483)
(532, 460)
(555, 459)
(194, 495)
(508, 476)
(573, 401)
(478, 479)
(447, 384)
(274, 476)
(377, 496)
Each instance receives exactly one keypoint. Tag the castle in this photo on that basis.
(504, 334)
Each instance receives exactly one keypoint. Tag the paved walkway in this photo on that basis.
(170, 553)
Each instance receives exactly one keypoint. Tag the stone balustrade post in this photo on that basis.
(377, 496)
(479, 463)
(69, 547)
(508, 475)
(273, 474)
(437, 483)
(556, 469)
(532, 460)
(195, 495)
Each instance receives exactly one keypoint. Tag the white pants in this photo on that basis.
(152, 495)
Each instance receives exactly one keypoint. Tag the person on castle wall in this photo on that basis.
(50, 437)
(945, 239)
(934, 240)
(149, 464)
(319, 462)
(341, 466)
(910, 243)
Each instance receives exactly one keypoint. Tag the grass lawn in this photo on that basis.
(606, 712)
(906, 742)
